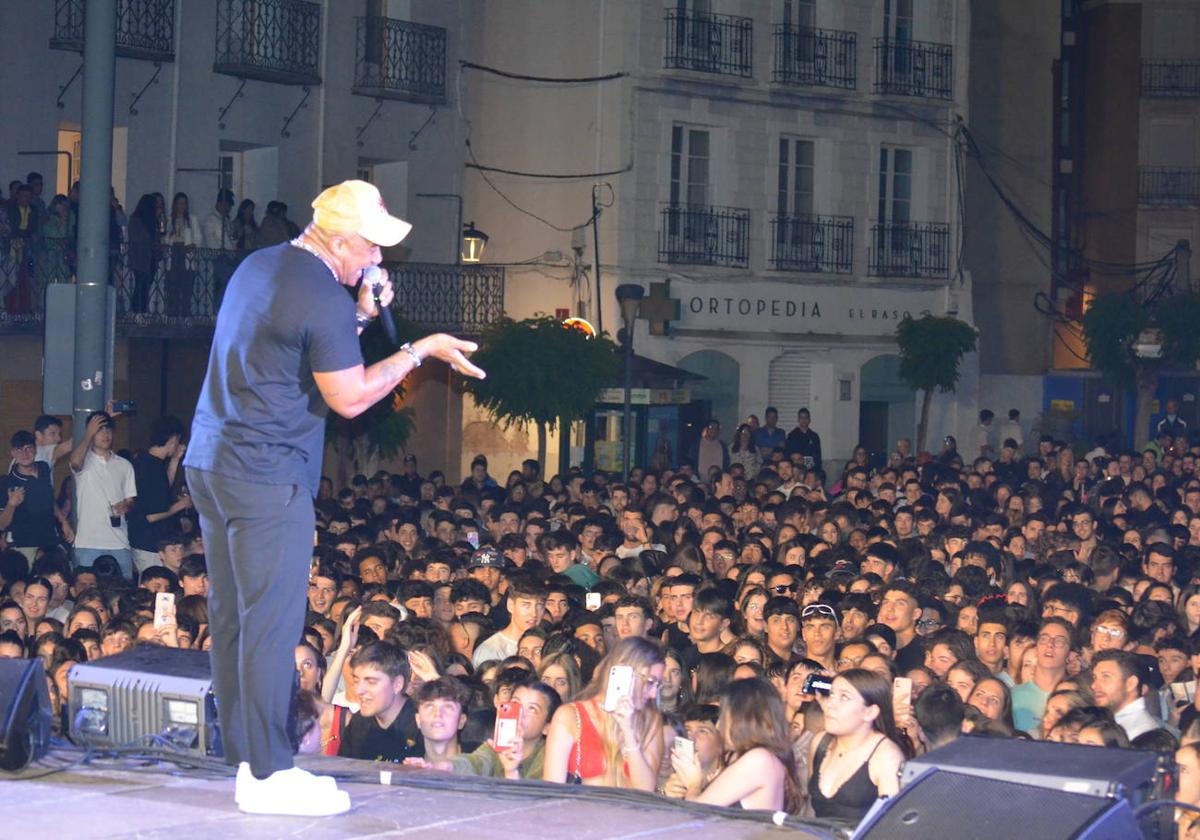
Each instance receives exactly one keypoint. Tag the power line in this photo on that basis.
(579, 176)
(555, 80)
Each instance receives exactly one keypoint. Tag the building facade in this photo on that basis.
(273, 99)
(784, 170)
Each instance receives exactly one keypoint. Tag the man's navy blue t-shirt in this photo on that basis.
(260, 416)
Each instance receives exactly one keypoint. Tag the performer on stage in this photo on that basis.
(285, 350)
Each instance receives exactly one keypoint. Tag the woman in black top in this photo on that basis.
(858, 758)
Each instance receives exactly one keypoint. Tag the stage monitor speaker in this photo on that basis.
(26, 717)
(148, 696)
(941, 803)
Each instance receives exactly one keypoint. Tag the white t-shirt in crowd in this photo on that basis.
(101, 483)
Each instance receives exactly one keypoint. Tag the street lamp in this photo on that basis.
(629, 296)
(469, 242)
(473, 243)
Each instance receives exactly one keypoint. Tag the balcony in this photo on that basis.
(913, 249)
(815, 57)
(269, 40)
(145, 28)
(914, 68)
(459, 299)
(1170, 79)
(1175, 186)
(706, 43)
(703, 235)
(397, 59)
(178, 297)
(813, 244)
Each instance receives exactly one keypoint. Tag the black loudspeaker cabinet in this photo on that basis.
(944, 804)
(26, 717)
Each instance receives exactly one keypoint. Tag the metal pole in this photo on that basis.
(93, 326)
(596, 263)
(627, 436)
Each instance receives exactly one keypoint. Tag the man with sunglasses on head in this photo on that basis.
(819, 624)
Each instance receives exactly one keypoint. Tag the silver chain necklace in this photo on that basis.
(297, 242)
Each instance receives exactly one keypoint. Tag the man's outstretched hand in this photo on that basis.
(453, 351)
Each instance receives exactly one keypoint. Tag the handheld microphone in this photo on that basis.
(372, 275)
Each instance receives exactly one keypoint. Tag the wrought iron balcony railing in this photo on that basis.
(145, 28)
(1170, 79)
(818, 57)
(177, 290)
(710, 43)
(397, 59)
(818, 244)
(914, 68)
(703, 235)
(1176, 185)
(269, 40)
(461, 299)
(914, 249)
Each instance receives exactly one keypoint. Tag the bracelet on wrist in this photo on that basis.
(362, 321)
(411, 351)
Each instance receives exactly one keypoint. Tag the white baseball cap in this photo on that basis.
(357, 207)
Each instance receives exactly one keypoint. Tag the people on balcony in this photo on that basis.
(183, 234)
(143, 251)
(245, 229)
(56, 263)
(218, 226)
(22, 242)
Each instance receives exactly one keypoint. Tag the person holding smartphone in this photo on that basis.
(858, 758)
(760, 769)
(612, 737)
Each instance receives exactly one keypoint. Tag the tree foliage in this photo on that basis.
(931, 349)
(1111, 327)
(1113, 322)
(539, 371)
(382, 430)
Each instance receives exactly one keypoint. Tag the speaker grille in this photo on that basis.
(971, 808)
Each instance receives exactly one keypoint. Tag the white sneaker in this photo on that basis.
(245, 777)
(293, 792)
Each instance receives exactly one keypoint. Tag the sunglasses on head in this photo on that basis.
(818, 610)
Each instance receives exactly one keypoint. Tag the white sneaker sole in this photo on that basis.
(324, 806)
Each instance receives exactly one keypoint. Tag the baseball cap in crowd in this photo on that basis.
(486, 558)
(357, 207)
(882, 631)
(842, 570)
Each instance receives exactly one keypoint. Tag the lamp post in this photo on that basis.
(468, 242)
(629, 295)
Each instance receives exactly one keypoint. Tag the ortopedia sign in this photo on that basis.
(785, 308)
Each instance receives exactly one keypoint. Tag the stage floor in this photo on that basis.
(109, 801)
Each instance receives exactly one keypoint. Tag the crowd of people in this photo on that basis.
(791, 637)
(155, 241)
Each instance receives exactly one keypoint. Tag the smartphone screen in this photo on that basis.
(508, 726)
(164, 609)
(620, 684)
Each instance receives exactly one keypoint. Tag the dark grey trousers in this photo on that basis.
(258, 545)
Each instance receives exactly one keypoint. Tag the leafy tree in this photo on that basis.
(540, 372)
(380, 432)
(931, 349)
(1112, 325)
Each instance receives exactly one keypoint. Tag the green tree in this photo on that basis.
(931, 349)
(380, 432)
(540, 372)
(1112, 326)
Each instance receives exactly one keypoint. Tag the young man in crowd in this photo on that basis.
(526, 608)
(385, 727)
